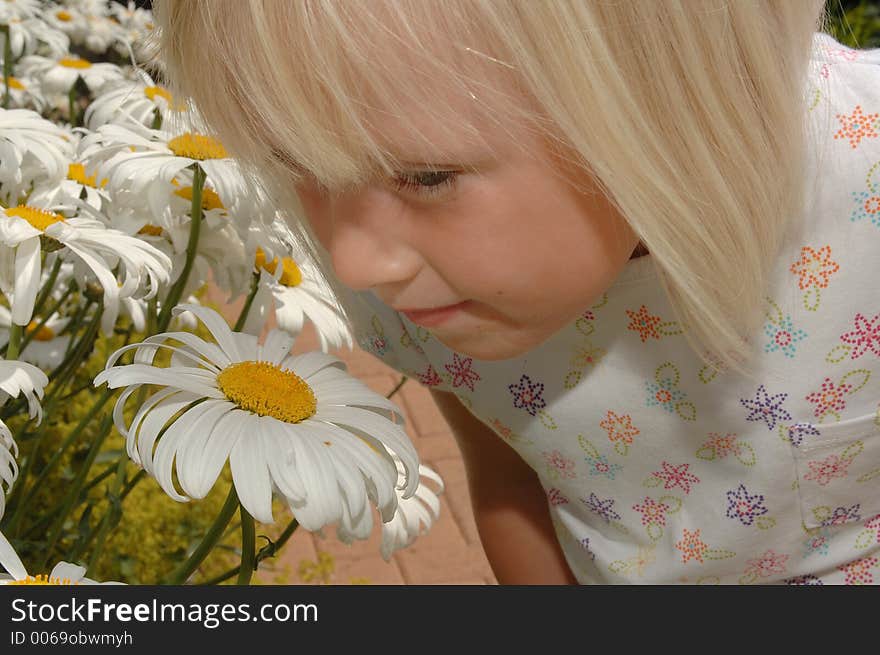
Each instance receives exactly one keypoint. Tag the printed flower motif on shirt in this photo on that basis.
(604, 508)
(508, 434)
(817, 542)
(692, 546)
(556, 497)
(430, 377)
(795, 434)
(870, 535)
(856, 126)
(743, 506)
(814, 270)
(720, 446)
(375, 341)
(407, 341)
(620, 431)
(585, 356)
(528, 395)
(864, 338)
(558, 465)
(599, 464)
(713, 369)
(829, 399)
(766, 408)
(636, 565)
(671, 476)
(585, 544)
(781, 332)
(461, 371)
(867, 204)
(843, 514)
(663, 391)
(858, 572)
(650, 326)
(823, 471)
(654, 512)
(769, 564)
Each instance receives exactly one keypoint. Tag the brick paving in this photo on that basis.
(450, 553)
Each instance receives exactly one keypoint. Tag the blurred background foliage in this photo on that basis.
(854, 23)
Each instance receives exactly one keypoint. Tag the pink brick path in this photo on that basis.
(451, 552)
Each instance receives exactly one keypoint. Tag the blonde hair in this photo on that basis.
(691, 116)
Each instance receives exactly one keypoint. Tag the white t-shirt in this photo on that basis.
(659, 469)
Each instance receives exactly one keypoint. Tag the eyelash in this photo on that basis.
(414, 182)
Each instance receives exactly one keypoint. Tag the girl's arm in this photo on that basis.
(509, 503)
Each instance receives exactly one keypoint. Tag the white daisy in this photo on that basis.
(62, 574)
(298, 424)
(101, 32)
(12, 9)
(128, 100)
(77, 185)
(46, 349)
(32, 151)
(414, 516)
(28, 34)
(17, 378)
(131, 16)
(135, 158)
(296, 292)
(25, 93)
(90, 243)
(57, 75)
(68, 20)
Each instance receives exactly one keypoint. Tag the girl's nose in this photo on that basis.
(367, 242)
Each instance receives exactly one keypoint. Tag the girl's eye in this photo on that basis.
(426, 183)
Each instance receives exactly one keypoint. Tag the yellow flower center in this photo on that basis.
(77, 173)
(197, 146)
(70, 62)
(291, 276)
(42, 580)
(268, 390)
(151, 230)
(63, 15)
(39, 218)
(210, 199)
(15, 83)
(45, 333)
(152, 91)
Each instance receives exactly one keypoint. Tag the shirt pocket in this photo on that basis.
(838, 470)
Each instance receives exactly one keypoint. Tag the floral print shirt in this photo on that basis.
(661, 469)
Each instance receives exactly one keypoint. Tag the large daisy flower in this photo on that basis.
(135, 158)
(415, 515)
(17, 378)
(19, 9)
(128, 100)
(57, 75)
(28, 34)
(296, 424)
(33, 151)
(62, 574)
(296, 292)
(78, 184)
(90, 242)
(25, 93)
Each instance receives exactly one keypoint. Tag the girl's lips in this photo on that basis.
(433, 317)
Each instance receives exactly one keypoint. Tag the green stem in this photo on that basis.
(242, 317)
(248, 547)
(111, 517)
(13, 350)
(176, 290)
(7, 64)
(76, 486)
(212, 536)
(266, 552)
(47, 287)
(71, 104)
(397, 388)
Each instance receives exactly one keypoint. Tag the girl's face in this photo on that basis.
(525, 250)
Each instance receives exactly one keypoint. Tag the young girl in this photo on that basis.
(630, 247)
